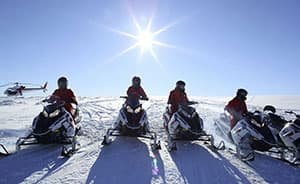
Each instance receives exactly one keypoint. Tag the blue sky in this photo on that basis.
(220, 45)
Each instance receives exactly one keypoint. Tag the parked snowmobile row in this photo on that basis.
(183, 125)
(259, 131)
(56, 125)
(263, 131)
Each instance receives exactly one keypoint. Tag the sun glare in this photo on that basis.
(145, 40)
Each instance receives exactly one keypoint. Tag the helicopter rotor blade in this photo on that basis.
(27, 83)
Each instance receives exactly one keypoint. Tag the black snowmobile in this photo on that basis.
(186, 124)
(132, 121)
(54, 125)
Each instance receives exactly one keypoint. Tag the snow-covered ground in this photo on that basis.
(130, 160)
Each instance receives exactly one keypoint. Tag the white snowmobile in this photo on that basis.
(54, 125)
(290, 135)
(185, 124)
(260, 131)
(132, 121)
(252, 133)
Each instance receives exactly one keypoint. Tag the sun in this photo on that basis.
(145, 40)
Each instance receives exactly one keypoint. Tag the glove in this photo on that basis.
(145, 98)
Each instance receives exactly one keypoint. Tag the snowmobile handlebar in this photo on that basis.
(140, 98)
(192, 103)
(292, 112)
(53, 98)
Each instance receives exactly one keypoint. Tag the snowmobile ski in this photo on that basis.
(5, 153)
(69, 149)
(115, 132)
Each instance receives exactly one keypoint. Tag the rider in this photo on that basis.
(66, 94)
(177, 97)
(136, 89)
(237, 107)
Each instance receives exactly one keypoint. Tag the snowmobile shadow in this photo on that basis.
(198, 164)
(126, 160)
(279, 172)
(8, 133)
(38, 159)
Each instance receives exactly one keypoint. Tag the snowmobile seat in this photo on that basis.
(277, 121)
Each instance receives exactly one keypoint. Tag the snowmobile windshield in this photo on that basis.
(187, 109)
(52, 103)
(133, 101)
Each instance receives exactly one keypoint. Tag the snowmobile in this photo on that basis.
(274, 122)
(185, 124)
(290, 135)
(54, 125)
(259, 132)
(132, 121)
(287, 134)
(252, 133)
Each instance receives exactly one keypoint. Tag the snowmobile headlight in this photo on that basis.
(253, 121)
(129, 109)
(138, 110)
(55, 113)
(45, 113)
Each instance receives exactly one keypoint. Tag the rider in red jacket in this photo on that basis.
(177, 96)
(65, 94)
(237, 107)
(136, 88)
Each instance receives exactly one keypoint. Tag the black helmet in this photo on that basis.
(62, 83)
(242, 93)
(180, 82)
(180, 85)
(136, 81)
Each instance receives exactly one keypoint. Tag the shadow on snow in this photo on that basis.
(279, 172)
(38, 158)
(197, 164)
(126, 160)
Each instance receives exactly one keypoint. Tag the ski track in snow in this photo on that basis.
(129, 160)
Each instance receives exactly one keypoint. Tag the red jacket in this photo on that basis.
(68, 96)
(237, 108)
(176, 98)
(139, 91)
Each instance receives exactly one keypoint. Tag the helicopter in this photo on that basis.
(19, 88)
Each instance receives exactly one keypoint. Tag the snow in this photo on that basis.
(130, 160)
